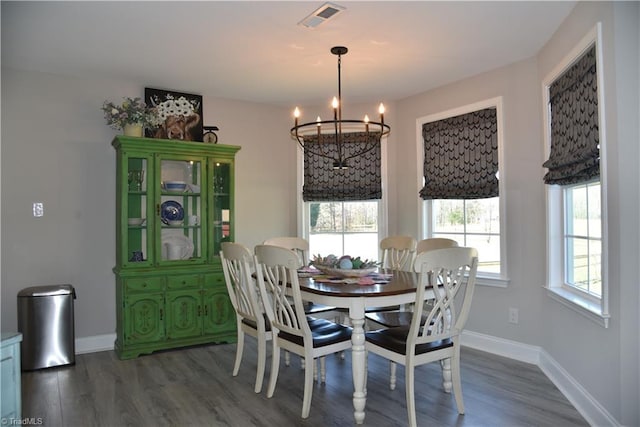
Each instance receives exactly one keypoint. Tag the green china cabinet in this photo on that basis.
(174, 207)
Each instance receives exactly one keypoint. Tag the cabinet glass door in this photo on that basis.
(180, 210)
(136, 208)
(222, 204)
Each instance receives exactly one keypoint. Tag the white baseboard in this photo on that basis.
(95, 343)
(587, 405)
(592, 411)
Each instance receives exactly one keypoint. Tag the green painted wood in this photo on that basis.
(164, 303)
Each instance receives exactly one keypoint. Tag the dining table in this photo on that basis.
(384, 289)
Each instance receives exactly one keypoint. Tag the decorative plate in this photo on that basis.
(355, 272)
(171, 211)
(169, 238)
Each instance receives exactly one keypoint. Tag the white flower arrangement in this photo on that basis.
(175, 107)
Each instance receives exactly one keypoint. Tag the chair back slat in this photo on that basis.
(397, 252)
(276, 270)
(446, 272)
(236, 265)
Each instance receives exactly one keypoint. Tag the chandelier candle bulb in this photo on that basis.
(366, 123)
(381, 111)
(318, 126)
(296, 114)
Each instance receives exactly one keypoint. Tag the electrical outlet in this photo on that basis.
(38, 209)
(513, 315)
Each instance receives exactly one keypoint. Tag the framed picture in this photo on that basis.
(180, 114)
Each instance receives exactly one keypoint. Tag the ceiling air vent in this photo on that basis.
(321, 15)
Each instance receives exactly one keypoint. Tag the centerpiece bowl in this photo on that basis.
(341, 272)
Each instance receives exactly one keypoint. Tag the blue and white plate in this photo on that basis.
(171, 211)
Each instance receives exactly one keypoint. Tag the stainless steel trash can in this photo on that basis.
(46, 321)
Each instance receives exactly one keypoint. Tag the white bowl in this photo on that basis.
(175, 222)
(178, 186)
(135, 221)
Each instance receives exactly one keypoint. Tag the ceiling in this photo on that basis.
(256, 51)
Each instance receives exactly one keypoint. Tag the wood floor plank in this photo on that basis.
(194, 387)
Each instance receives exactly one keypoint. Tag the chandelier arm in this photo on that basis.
(308, 149)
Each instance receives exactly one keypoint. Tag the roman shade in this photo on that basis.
(360, 181)
(461, 156)
(574, 155)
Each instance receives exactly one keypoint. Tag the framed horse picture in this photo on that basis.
(180, 114)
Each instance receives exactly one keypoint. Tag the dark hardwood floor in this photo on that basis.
(194, 387)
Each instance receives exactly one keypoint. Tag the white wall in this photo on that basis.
(603, 361)
(56, 149)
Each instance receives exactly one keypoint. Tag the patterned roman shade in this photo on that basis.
(574, 156)
(360, 181)
(461, 157)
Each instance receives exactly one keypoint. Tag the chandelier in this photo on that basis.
(328, 136)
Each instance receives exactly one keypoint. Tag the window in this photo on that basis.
(461, 196)
(576, 185)
(341, 228)
(582, 237)
(474, 223)
(336, 224)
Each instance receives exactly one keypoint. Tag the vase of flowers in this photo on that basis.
(131, 116)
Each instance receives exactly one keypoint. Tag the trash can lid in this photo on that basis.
(46, 291)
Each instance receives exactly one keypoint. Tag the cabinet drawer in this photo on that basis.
(214, 280)
(143, 284)
(183, 281)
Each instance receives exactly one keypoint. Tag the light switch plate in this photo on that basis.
(38, 209)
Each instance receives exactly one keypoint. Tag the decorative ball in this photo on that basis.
(345, 263)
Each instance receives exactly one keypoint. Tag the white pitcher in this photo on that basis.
(173, 251)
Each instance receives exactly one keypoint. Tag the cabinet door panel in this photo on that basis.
(221, 184)
(184, 314)
(218, 312)
(135, 209)
(144, 318)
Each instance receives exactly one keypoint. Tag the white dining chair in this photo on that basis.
(293, 330)
(432, 243)
(300, 246)
(237, 265)
(391, 319)
(437, 337)
(397, 252)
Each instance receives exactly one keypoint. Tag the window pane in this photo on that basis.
(578, 263)
(488, 252)
(349, 228)
(595, 226)
(364, 245)
(482, 215)
(583, 238)
(448, 216)
(325, 244)
(577, 211)
(326, 216)
(361, 217)
(595, 262)
(474, 223)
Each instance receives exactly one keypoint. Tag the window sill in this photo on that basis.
(493, 281)
(582, 306)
